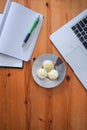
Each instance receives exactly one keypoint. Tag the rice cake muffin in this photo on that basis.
(53, 74)
(41, 73)
(48, 65)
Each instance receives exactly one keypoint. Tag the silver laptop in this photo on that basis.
(71, 41)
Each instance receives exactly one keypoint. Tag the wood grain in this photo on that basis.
(24, 105)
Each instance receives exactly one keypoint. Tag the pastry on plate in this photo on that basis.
(53, 74)
(41, 73)
(48, 65)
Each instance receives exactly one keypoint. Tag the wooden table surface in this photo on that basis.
(24, 105)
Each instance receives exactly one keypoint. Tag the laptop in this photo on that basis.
(71, 42)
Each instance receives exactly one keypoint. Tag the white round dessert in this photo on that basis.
(48, 65)
(53, 74)
(41, 73)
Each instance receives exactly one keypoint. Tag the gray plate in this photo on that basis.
(59, 65)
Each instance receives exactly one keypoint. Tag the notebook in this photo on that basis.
(7, 61)
(15, 24)
(71, 42)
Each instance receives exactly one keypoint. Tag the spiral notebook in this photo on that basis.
(15, 24)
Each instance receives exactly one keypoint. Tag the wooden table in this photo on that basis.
(24, 105)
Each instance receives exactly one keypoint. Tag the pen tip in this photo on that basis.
(23, 44)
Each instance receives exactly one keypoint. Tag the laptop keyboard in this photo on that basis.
(80, 29)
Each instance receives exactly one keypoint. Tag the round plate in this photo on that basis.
(59, 66)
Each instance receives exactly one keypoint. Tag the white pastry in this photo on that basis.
(48, 65)
(53, 74)
(41, 73)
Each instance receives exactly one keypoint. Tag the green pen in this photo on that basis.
(31, 30)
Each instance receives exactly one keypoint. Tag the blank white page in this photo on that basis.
(7, 61)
